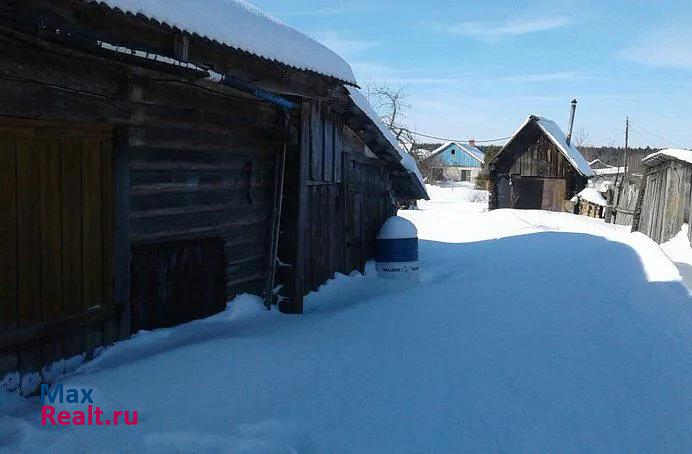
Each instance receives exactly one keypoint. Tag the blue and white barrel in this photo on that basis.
(396, 251)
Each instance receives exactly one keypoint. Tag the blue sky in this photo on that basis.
(477, 69)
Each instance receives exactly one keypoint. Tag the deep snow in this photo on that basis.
(678, 249)
(529, 331)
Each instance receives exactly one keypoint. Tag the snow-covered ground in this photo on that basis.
(529, 331)
(678, 249)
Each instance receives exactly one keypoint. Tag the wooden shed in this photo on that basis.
(665, 197)
(538, 168)
(150, 170)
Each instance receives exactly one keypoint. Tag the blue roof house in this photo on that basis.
(455, 161)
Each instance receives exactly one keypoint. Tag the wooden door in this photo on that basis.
(554, 190)
(55, 223)
(527, 193)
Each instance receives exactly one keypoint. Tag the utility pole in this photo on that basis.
(624, 166)
(627, 136)
(619, 181)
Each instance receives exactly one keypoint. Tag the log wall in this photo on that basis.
(192, 164)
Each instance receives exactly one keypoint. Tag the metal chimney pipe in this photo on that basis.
(571, 120)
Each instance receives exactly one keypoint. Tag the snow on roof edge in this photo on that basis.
(679, 154)
(243, 26)
(570, 152)
(407, 160)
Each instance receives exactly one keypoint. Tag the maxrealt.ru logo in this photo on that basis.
(92, 415)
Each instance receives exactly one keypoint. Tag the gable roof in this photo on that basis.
(598, 164)
(472, 151)
(669, 154)
(242, 26)
(558, 138)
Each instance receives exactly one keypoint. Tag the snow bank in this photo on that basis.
(463, 193)
(591, 195)
(364, 105)
(668, 154)
(242, 26)
(397, 227)
(678, 249)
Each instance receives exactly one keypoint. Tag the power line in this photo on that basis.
(638, 126)
(610, 137)
(458, 140)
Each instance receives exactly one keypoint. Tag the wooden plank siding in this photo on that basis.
(341, 199)
(48, 176)
(530, 161)
(666, 202)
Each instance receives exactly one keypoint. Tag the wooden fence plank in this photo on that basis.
(8, 233)
(29, 231)
(92, 229)
(316, 141)
(328, 161)
(51, 231)
(71, 166)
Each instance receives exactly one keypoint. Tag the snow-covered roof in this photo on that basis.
(474, 152)
(406, 159)
(591, 195)
(240, 25)
(598, 164)
(667, 155)
(557, 137)
(609, 171)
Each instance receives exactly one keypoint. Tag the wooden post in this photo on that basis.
(121, 233)
(296, 305)
(640, 201)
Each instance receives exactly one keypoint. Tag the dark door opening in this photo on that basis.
(527, 193)
(178, 281)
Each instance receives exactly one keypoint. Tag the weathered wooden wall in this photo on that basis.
(541, 176)
(666, 201)
(340, 197)
(627, 203)
(190, 161)
(369, 201)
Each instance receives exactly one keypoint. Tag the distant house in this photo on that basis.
(665, 199)
(538, 168)
(597, 164)
(454, 161)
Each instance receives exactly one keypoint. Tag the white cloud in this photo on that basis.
(322, 12)
(664, 48)
(547, 77)
(346, 47)
(493, 31)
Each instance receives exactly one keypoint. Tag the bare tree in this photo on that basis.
(390, 104)
(581, 138)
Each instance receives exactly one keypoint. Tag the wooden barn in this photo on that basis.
(665, 196)
(538, 168)
(154, 163)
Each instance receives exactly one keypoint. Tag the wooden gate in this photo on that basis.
(56, 216)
